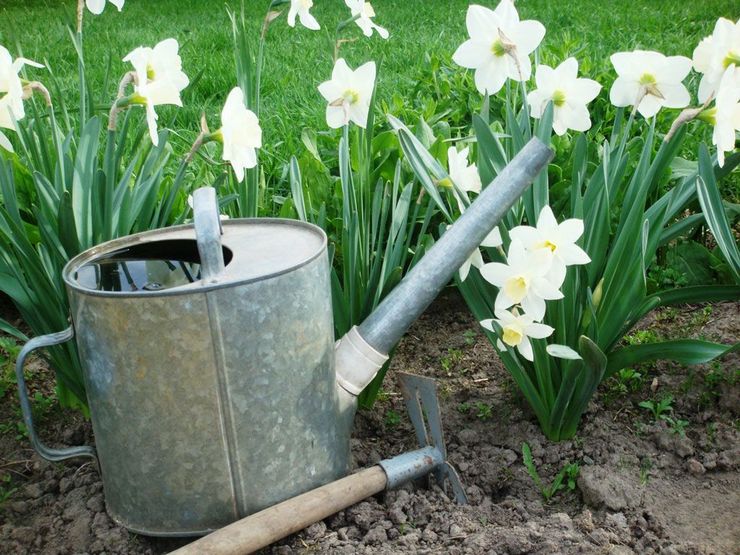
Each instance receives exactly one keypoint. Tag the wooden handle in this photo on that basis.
(268, 526)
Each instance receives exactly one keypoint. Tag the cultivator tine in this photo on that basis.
(420, 395)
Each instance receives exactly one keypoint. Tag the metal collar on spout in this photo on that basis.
(384, 327)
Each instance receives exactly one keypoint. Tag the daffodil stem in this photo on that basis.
(686, 116)
(203, 137)
(118, 105)
(80, 15)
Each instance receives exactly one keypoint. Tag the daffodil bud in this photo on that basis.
(597, 294)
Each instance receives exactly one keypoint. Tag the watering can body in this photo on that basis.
(209, 401)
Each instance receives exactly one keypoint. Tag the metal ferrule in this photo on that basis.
(412, 465)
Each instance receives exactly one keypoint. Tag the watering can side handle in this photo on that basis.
(53, 455)
(207, 223)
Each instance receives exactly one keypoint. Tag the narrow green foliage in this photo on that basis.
(629, 208)
(564, 479)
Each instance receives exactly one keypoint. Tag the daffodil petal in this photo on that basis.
(539, 331)
(525, 348)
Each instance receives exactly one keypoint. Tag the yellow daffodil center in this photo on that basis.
(512, 335)
(498, 48)
(306, 4)
(650, 83)
(732, 58)
(558, 98)
(516, 288)
(648, 79)
(149, 73)
(351, 96)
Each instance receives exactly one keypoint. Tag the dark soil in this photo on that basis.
(643, 487)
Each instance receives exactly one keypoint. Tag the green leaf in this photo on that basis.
(692, 260)
(85, 169)
(297, 189)
(711, 204)
(696, 294)
(685, 351)
(8, 328)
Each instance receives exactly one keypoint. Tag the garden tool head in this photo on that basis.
(420, 395)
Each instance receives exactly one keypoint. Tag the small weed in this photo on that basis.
(5, 488)
(469, 337)
(712, 432)
(668, 314)
(646, 465)
(565, 479)
(625, 381)
(392, 418)
(9, 350)
(658, 408)
(463, 408)
(715, 380)
(642, 337)
(483, 410)
(700, 318)
(676, 425)
(451, 360)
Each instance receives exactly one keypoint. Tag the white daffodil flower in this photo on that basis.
(559, 239)
(523, 279)
(715, 54)
(649, 80)
(726, 113)
(240, 132)
(97, 6)
(463, 175)
(11, 93)
(300, 8)
(348, 93)
(159, 79)
(517, 330)
(499, 46)
(364, 12)
(569, 95)
(493, 239)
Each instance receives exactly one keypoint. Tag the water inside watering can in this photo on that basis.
(154, 266)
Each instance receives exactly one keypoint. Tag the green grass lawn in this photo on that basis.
(299, 59)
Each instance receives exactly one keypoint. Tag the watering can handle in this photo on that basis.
(53, 455)
(207, 222)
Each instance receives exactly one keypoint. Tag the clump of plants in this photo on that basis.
(562, 280)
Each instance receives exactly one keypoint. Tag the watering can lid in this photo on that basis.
(255, 249)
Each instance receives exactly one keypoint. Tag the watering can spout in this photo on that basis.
(364, 349)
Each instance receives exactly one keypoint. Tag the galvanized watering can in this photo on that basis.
(215, 386)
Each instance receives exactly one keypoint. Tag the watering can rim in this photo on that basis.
(97, 251)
